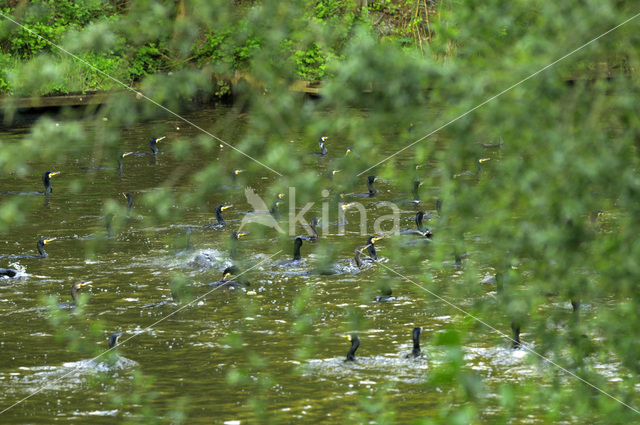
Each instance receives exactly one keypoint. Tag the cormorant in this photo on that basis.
(235, 172)
(129, 199)
(356, 255)
(40, 245)
(355, 343)
(421, 230)
(472, 173)
(8, 273)
(221, 223)
(516, 336)
(153, 144)
(371, 248)
(46, 180)
(416, 344)
(233, 250)
(113, 339)
(386, 294)
(313, 225)
(323, 148)
(74, 294)
(229, 281)
(372, 190)
(296, 253)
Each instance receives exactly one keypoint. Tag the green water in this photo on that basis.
(188, 354)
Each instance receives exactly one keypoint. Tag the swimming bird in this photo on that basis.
(355, 343)
(372, 190)
(46, 180)
(356, 255)
(420, 230)
(75, 288)
(416, 344)
(129, 199)
(515, 328)
(313, 226)
(119, 167)
(40, 245)
(235, 172)
(10, 273)
(323, 148)
(296, 254)
(478, 163)
(113, 339)
(386, 294)
(153, 144)
(233, 249)
(228, 281)
(221, 223)
(373, 255)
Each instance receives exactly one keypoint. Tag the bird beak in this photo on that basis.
(348, 152)
(226, 207)
(48, 240)
(281, 195)
(347, 336)
(83, 284)
(125, 195)
(226, 275)
(126, 154)
(242, 234)
(484, 159)
(418, 166)
(375, 240)
(55, 173)
(334, 172)
(160, 138)
(238, 172)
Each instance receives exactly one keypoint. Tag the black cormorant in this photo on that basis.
(515, 328)
(420, 230)
(129, 199)
(323, 148)
(296, 254)
(313, 226)
(153, 144)
(46, 180)
(386, 294)
(74, 294)
(228, 281)
(355, 343)
(478, 163)
(416, 343)
(113, 339)
(371, 248)
(221, 223)
(8, 273)
(40, 245)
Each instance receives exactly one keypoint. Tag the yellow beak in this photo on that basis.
(226, 275)
(238, 172)
(241, 235)
(484, 159)
(126, 154)
(160, 138)
(55, 173)
(281, 195)
(226, 207)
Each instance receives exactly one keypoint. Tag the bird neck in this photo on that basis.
(372, 252)
(74, 294)
(419, 222)
(351, 355)
(219, 216)
(416, 194)
(48, 189)
(41, 250)
(372, 190)
(296, 251)
(356, 257)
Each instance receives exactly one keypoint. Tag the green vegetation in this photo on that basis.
(554, 213)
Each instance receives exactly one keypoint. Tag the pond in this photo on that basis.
(300, 373)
